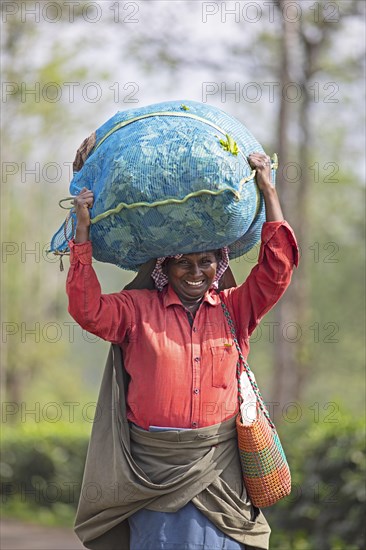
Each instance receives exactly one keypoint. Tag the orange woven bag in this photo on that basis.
(266, 473)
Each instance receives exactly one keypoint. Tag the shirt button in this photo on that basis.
(196, 359)
(194, 329)
(196, 391)
(194, 424)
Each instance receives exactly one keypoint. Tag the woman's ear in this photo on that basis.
(164, 267)
(227, 280)
(218, 255)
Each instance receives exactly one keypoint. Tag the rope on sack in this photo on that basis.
(164, 202)
(155, 203)
(122, 205)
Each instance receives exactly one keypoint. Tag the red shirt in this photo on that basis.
(181, 375)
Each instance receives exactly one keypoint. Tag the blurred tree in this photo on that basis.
(37, 121)
(308, 39)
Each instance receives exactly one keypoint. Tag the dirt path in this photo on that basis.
(15, 535)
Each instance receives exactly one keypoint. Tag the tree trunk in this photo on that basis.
(285, 363)
(292, 356)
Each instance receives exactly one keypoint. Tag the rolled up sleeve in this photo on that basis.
(80, 253)
(109, 316)
(280, 237)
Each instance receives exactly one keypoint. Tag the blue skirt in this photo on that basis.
(186, 529)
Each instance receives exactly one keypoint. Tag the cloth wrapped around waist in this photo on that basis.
(183, 463)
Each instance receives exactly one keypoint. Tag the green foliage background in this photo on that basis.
(47, 359)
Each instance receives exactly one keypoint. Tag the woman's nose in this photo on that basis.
(195, 269)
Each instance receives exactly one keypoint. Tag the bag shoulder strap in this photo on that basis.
(242, 362)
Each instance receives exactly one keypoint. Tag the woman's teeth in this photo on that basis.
(194, 284)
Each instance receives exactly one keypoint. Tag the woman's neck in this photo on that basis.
(192, 306)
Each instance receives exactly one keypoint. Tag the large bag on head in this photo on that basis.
(168, 178)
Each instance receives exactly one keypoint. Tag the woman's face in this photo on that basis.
(192, 275)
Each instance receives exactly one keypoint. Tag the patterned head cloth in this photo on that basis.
(161, 279)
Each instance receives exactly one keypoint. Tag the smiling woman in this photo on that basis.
(191, 275)
(179, 450)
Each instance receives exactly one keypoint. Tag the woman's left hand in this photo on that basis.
(262, 164)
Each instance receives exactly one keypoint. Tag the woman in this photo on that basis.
(179, 453)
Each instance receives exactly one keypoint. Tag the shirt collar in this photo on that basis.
(171, 298)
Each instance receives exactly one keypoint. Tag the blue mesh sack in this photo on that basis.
(169, 178)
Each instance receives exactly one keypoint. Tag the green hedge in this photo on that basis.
(326, 508)
(41, 470)
(42, 466)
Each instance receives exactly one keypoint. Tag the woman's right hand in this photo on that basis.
(82, 203)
